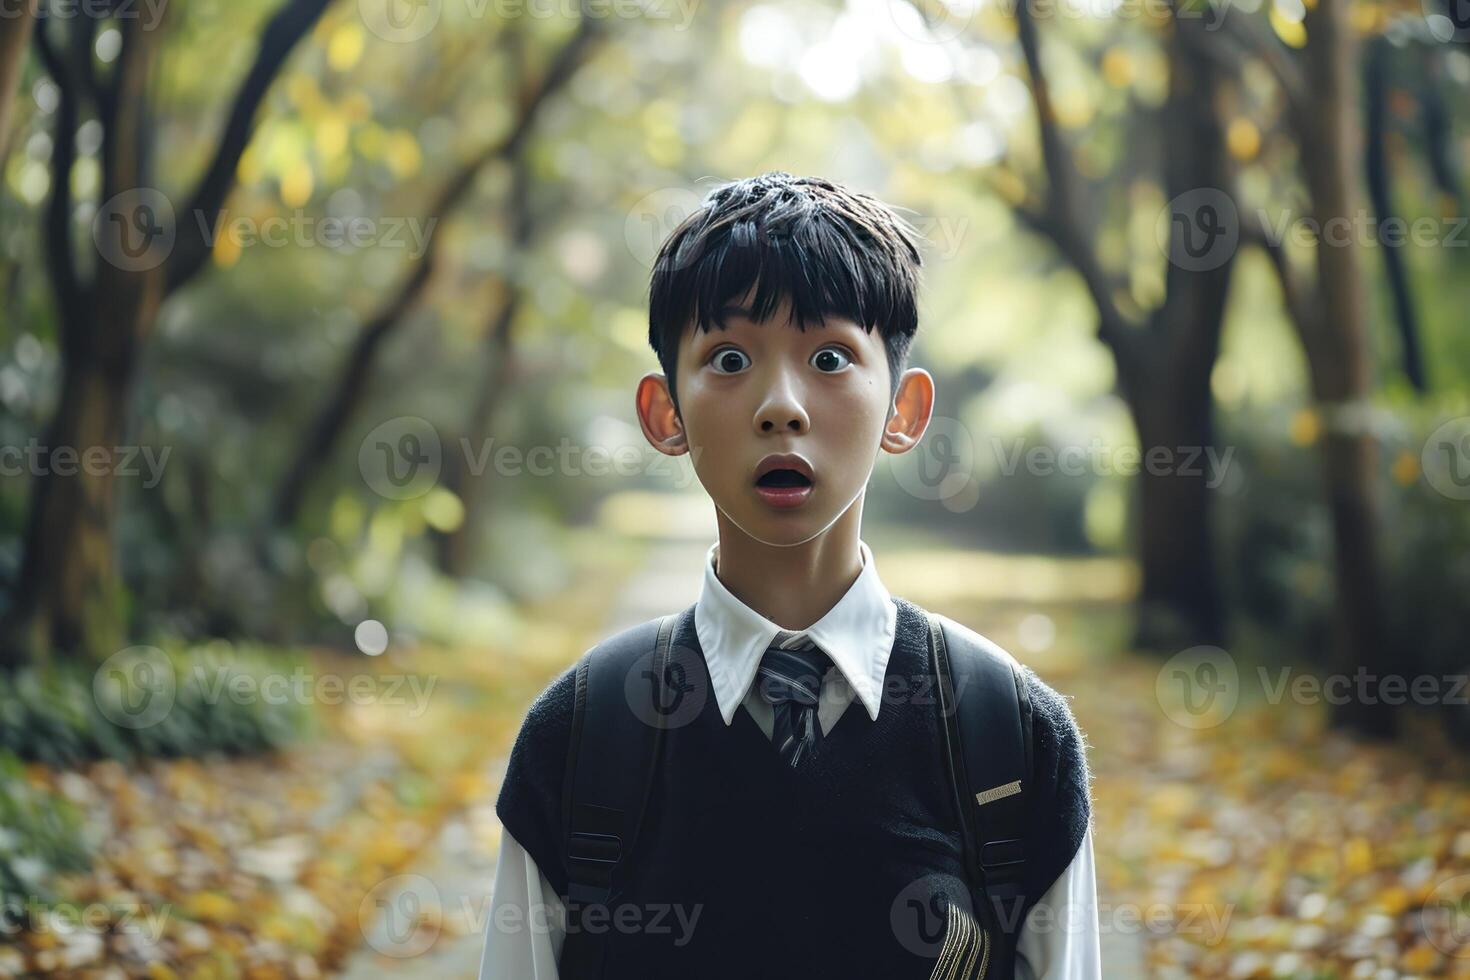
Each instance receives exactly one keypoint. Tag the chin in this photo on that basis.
(782, 530)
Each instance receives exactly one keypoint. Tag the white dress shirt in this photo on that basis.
(523, 938)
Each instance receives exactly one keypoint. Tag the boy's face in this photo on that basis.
(758, 389)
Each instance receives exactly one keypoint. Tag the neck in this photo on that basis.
(791, 586)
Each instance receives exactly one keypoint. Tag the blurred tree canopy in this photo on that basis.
(245, 244)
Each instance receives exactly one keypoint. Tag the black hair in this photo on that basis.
(831, 250)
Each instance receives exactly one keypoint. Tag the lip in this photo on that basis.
(786, 461)
(784, 497)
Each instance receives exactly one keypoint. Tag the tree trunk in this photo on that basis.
(1341, 370)
(1179, 600)
(13, 43)
(70, 600)
(1165, 357)
(455, 548)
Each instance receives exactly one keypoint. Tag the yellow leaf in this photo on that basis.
(331, 136)
(345, 47)
(1394, 899)
(402, 154)
(1358, 856)
(1406, 469)
(1305, 427)
(226, 249)
(296, 184)
(1292, 32)
(1421, 959)
(1243, 138)
(1117, 67)
(210, 906)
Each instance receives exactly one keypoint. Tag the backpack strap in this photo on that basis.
(986, 716)
(609, 774)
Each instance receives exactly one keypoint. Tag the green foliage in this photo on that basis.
(188, 702)
(1274, 534)
(40, 834)
(1276, 540)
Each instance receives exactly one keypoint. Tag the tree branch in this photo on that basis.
(290, 23)
(1295, 295)
(1058, 217)
(1259, 42)
(349, 388)
(13, 44)
(1377, 66)
(57, 232)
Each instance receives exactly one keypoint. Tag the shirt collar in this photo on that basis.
(857, 633)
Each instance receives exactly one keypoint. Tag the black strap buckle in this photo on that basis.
(1007, 853)
(594, 848)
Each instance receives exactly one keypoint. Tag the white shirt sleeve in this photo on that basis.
(527, 922)
(1060, 938)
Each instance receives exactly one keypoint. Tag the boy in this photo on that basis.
(786, 833)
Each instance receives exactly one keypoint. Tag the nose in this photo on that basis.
(782, 409)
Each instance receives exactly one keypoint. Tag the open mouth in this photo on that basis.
(784, 479)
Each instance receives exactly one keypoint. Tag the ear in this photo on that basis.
(661, 425)
(913, 406)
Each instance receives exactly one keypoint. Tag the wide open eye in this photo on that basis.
(830, 360)
(727, 360)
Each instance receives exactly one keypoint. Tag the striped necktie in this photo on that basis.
(790, 680)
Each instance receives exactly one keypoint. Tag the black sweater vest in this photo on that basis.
(844, 866)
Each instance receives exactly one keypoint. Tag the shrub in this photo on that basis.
(40, 835)
(147, 702)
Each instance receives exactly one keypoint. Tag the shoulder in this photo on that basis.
(1061, 797)
(530, 802)
(531, 795)
(549, 718)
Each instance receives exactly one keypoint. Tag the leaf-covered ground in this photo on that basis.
(1262, 846)
(284, 866)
